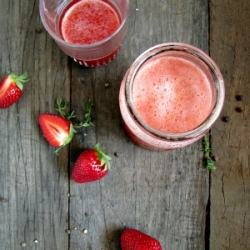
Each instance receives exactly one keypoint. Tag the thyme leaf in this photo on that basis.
(210, 163)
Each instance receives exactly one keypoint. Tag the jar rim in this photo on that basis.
(193, 51)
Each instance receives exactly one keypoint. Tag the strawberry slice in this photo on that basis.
(91, 165)
(133, 239)
(57, 130)
(11, 89)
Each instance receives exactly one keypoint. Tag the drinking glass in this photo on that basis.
(90, 55)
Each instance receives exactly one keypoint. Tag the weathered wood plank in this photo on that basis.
(163, 194)
(230, 184)
(33, 180)
(168, 204)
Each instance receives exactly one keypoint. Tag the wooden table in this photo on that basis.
(168, 195)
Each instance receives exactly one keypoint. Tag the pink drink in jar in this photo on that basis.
(171, 96)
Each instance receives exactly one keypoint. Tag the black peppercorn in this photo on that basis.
(239, 109)
(38, 30)
(225, 119)
(239, 98)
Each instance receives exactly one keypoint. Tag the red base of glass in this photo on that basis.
(98, 62)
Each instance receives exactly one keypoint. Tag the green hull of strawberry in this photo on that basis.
(100, 61)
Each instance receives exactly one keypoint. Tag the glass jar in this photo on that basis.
(188, 101)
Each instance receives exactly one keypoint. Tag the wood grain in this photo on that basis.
(163, 194)
(33, 180)
(230, 184)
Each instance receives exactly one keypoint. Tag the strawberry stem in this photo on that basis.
(105, 159)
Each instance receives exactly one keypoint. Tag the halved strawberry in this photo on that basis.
(58, 129)
(91, 165)
(11, 89)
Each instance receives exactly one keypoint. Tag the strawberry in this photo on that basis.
(91, 165)
(58, 129)
(133, 239)
(11, 89)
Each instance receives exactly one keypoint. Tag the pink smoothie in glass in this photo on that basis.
(89, 21)
(172, 94)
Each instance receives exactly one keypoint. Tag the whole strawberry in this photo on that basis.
(59, 129)
(11, 89)
(91, 165)
(133, 239)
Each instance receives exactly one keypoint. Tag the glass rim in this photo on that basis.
(81, 46)
(196, 52)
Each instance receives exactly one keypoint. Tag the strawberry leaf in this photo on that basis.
(19, 80)
(105, 159)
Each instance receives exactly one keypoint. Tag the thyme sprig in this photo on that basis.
(88, 120)
(62, 106)
(210, 163)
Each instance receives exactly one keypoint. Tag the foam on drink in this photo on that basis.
(88, 21)
(172, 94)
